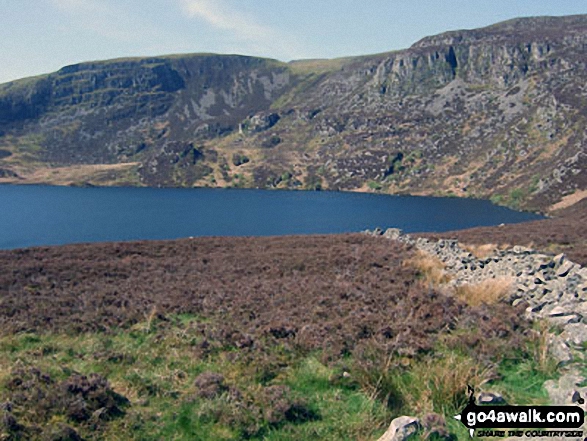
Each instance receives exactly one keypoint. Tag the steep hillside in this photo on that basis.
(498, 112)
(147, 113)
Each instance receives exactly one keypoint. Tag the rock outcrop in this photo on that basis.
(401, 429)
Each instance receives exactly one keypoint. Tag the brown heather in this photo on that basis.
(312, 292)
(241, 336)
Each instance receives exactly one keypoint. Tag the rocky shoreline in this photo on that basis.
(553, 287)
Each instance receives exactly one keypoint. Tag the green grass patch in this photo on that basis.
(181, 386)
(373, 185)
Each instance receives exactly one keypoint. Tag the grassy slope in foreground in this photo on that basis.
(317, 337)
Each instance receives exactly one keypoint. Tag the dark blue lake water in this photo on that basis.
(44, 215)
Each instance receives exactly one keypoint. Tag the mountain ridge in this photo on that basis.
(497, 112)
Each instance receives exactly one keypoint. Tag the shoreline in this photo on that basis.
(362, 190)
(118, 223)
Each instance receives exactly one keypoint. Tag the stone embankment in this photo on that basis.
(553, 287)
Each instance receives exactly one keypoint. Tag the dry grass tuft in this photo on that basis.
(480, 251)
(543, 340)
(487, 292)
(440, 384)
(431, 269)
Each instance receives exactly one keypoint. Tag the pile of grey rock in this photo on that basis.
(554, 287)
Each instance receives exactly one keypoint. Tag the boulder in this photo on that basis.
(490, 398)
(561, 392)
(580, 308)
(558, 311)
(560, 350)
(535, 308)
(575, 334)
(531, 286)
(567, 319)
(565, 269)
(547, 295)
(401, 429)
(261, 122)
(392, 233)
(6, 173)
(559, 259)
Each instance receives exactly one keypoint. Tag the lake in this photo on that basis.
(33, 215)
